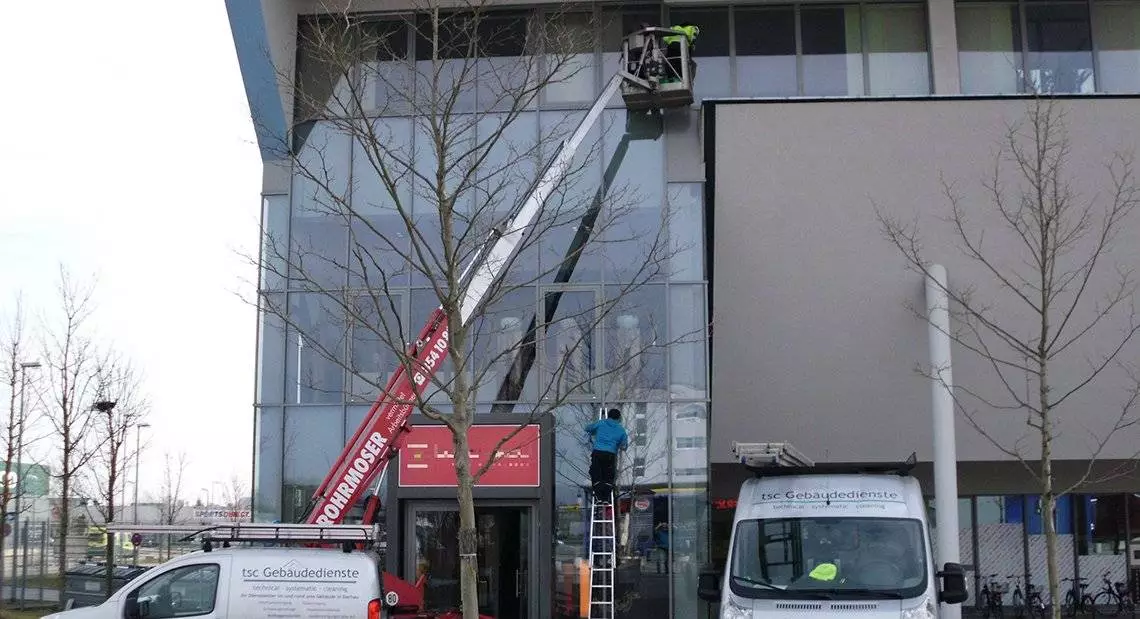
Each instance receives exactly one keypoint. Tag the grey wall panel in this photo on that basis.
(812, 342)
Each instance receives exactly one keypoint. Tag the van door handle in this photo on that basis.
(518, 583)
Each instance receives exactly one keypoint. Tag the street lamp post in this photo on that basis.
(24, 367)
(138, 456)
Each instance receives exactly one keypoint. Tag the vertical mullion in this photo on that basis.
(732, 90)
(1092, 9)
(865, 51)
(797, 26)
(1024, 24)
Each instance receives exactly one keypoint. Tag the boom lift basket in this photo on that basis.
(656, 79)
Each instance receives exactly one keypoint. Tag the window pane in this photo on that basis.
(508, 60)
(313, 441)
(1102, 536)
(569, 346)
(500, 358)
(319, 247)
(711, 51)
(686, 231)
(452, 74)
(386, 83)
(570, 201)
(194, 587)
(322, 86)
(570, 44)
(267, 460)
(1001, 547)
(833, 59)
(506, 174)
(897, 50)
(314, 358)
(378, 330)
(450, 144)
(989, 48)
(688, 535)
(271, 350)
(1116, 30)
(274, 241)
(378, 245)
(635, 244)
(687, 339)
(635, 329)
(1060, 47)
(766, 52)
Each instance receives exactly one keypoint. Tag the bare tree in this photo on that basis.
(119, 406)
(15, 422)
(1043, 335)
(72, 364)
(235, 497)
(170, 501)
(424, 195)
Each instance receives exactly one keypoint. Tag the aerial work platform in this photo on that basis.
(657, 76)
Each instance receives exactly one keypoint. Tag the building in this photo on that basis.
(808, 114)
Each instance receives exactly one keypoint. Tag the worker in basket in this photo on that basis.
(686, 31)
(609, 437)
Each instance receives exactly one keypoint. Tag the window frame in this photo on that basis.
(134, 593)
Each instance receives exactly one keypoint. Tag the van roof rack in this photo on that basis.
(781, 459)
(226, 533)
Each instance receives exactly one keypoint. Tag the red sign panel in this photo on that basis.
(427, 458)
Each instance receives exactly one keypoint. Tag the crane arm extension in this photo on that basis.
(366, 455)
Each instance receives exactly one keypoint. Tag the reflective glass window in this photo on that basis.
(766, 51)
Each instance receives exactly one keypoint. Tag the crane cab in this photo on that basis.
(657, 75)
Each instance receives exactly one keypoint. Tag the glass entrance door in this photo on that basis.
(504, 577)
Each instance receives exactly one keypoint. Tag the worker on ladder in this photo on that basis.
(689, 32)
(609, 437)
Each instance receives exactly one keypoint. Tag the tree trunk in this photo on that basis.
(1048, 505)
(468, 546)
(111, 518)
(64, 518)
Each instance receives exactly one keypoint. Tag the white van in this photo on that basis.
(821, 542)
(249, 583)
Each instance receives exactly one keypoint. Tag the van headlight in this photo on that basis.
(732, 610)
(925, 610)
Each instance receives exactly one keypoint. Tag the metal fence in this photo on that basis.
(31, 563)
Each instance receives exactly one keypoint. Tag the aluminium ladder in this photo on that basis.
(603, 556)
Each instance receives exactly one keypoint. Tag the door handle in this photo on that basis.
(518, 583)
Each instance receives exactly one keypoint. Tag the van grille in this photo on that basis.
(836, 606)
(855, 606)
(798, 606)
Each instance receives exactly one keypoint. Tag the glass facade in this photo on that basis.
(334, 267)
(1002, 543)
(1049, 46)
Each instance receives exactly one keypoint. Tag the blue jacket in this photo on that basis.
(608, 435)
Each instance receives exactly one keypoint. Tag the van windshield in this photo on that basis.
(829, 558)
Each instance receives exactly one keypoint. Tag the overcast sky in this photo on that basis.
(128, 155)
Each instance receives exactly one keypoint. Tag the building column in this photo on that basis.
(943, 46)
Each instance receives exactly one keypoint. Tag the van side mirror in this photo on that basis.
(953, 584)
(708, 586)
(131, 608)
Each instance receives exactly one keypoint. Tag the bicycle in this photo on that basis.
(1112, 599)
(1018, 598)
(990, 600)
(1074, 601)
(1029, 602)
(1034, 603)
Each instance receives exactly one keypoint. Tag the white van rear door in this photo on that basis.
(197, 589)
